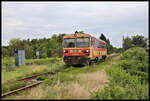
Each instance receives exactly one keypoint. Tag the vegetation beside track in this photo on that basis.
(8, 63)
(126, 77)
(129, 77)
(62, 85)
(28, 70)
(13, 86)
(8, 78)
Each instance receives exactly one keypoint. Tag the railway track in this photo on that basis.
(109, 57)
(37, 83)
(33, 76)
(26, 87)
(20, 89)
(28, 78)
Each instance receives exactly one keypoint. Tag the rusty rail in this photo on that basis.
(32, 77)
(28, 78)
(26, 87)
(20, 89)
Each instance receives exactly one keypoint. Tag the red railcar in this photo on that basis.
(83, 49)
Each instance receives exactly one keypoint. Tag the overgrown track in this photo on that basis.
(109, 57)
(29, 78)
(37, 83)
(20, 89)
(33, 76)
(26, 87)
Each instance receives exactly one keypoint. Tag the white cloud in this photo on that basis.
(115, 19)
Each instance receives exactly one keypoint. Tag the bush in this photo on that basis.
(8, 63)
(135, 62)
(129, 78)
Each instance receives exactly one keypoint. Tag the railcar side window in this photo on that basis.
(96, 44)
(68, 43)
(99, 45)
(83, 42)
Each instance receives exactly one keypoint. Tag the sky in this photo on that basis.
(43, 19)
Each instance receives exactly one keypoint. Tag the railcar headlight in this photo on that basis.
(65, 51)
(87, 51)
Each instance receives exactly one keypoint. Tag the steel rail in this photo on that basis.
(28, 78)
(32, 77)
(20, 89)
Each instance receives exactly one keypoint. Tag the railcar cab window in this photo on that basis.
(68, 43)
(83, 42)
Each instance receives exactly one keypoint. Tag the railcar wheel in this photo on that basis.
(96, 59)
(87, 63)
(92, 62)
(103, 57)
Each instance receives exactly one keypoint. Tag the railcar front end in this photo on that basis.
(76, 49)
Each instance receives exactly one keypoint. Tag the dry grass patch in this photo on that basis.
(35, 93)
(88, 82)
(76, 91)
(93, 81)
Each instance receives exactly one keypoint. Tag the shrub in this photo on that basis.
(129, 78)
(8, 63)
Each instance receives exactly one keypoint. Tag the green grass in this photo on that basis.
(13, 86)
(24, 71)
(87, 69)
(42, 61)
(8, 63)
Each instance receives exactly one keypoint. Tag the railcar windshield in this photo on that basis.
(82, 42)
(68, 43)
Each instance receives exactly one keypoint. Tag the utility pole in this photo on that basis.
(123, 43)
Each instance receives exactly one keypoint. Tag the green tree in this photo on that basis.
(13, 44)
(47, 47)
(140, 41)
(127, 43)
(109, 46)
(134, 41)
(5, 51)
(28, 51)
(102, 37)
(81, 32)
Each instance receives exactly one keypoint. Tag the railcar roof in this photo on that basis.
(80, 35)
(76, 35)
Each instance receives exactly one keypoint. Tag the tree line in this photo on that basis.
(47, 47)
(134, 41)
(50, 47)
